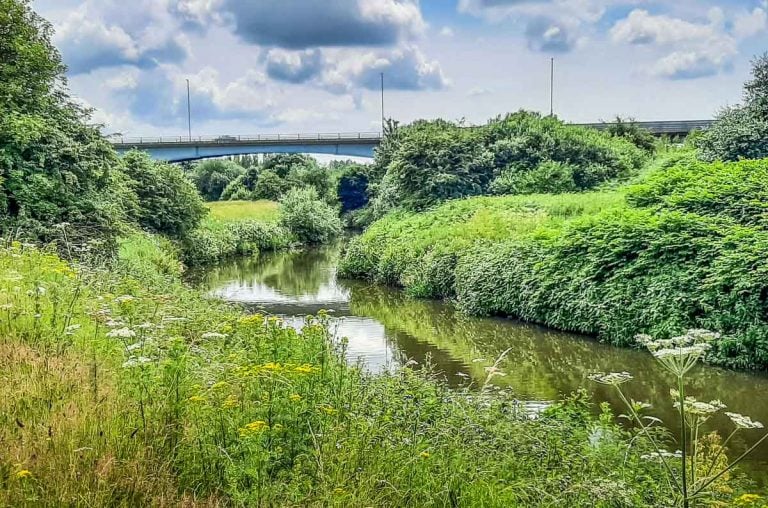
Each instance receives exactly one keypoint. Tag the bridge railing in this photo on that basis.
(322, 136)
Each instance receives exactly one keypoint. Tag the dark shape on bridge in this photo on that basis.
(350, 144)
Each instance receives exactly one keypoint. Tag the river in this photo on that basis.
(385, 329)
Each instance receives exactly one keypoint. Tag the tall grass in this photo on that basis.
(227, 211)
(119, 393)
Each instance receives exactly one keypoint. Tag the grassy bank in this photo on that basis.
(235, 228)
(680, 249)
(117, 393)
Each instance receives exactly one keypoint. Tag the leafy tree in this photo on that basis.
(54, 168)
(628, 129)
(169, 203)
(352, 187)
(313, 175)
(269, 186)
(282, 163)
(308, 217)
(212, 176)
(741, 132)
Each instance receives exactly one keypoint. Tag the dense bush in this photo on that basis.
(215, 241)
(428, 162)
(308, 217)
(168, 202)
(54, 169)
(268, 186)
(741, 132)
(211, 177)
(628, 129)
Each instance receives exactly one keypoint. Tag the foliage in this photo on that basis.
(54, 168)
(269, 186)
(703, 476)
(312, 175)
(236, 190)
(308, 217)
(684, 252)
(429, 162)
(627, 128)
(217, 240)
(160, 396)
(352, 187)
(150, 257)
(741, 132)
(283, 163)
(212, 176)
(168, 202)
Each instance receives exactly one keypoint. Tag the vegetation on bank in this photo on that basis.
(147, 394)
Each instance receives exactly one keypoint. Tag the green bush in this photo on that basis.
(549, 177)
(213, 176)
(214, 241)
(168, 202)
(308, 217)
(741, 132)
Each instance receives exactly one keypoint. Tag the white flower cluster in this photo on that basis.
(743, 422)
(697, 408)
(136, 361)
(121, 333)
(611, 378)
(213, 335)
(679, 354)
(663, 455)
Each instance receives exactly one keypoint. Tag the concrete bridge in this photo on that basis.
(350, 144)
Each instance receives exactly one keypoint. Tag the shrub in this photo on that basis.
(216, 240)
(212, 177)
(168, 202)
(629, 130)
(308, 217)
(741, 132)
(548, 177)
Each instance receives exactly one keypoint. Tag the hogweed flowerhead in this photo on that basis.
(213, 335)
(679, 354)
(611, 378)
(663, 454)
(122, 333)
(743, 422)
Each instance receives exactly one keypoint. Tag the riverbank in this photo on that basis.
(677, 250)
(147, 395)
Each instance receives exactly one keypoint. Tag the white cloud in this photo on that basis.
(447, 31)
(640, 27)
(750, 24)
(293, 66)
(478, 91)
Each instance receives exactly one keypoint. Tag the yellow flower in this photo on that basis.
(305, 369)
(424, 455)
(338, 491)
(747, 499)
(328, 410)
(219, 385)
(231, 402)
(197, 398)
(295, 397)
(253, 428)
(272, 366)
(24, 473)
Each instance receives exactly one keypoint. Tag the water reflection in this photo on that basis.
(385, 328)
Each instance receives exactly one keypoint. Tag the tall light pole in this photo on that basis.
(552, 87)
(189, 113)
(383, 122)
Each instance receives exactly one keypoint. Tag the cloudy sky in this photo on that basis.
(313, 65)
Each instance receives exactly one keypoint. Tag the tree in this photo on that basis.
(741, 132)
(352, 187)
(308, 217)
(282, 163)
(269, 186)
(168, 202)
(211, 177)
(54, 168)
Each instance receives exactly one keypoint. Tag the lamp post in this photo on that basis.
(383, 122)
(552, 87)
(189, 113)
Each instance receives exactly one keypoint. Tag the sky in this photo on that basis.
(306, 66)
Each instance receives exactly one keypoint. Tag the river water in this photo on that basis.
(385, 329)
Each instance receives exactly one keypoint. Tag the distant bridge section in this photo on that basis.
(183, 148)
(350, 144)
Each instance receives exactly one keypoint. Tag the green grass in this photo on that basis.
(229, 211)
(119, 392)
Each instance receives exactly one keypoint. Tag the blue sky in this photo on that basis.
(313, 66)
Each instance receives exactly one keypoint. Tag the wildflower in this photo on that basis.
(747, 499)
(219, 385)
(114, 323)
(424, 454)
(329, 410)
(695, 408)
(24, 473)
(743, 422)
(6, 306)
(230, 403)
(197, 398)
(338, 491)
(305, 369)
(135, 362)
(213, 335)
(144, 326)
(612, 378)
(253, 428)
(663, 455)
(122, 333)
(295, 397)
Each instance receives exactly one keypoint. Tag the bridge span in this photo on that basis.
(349, 144)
